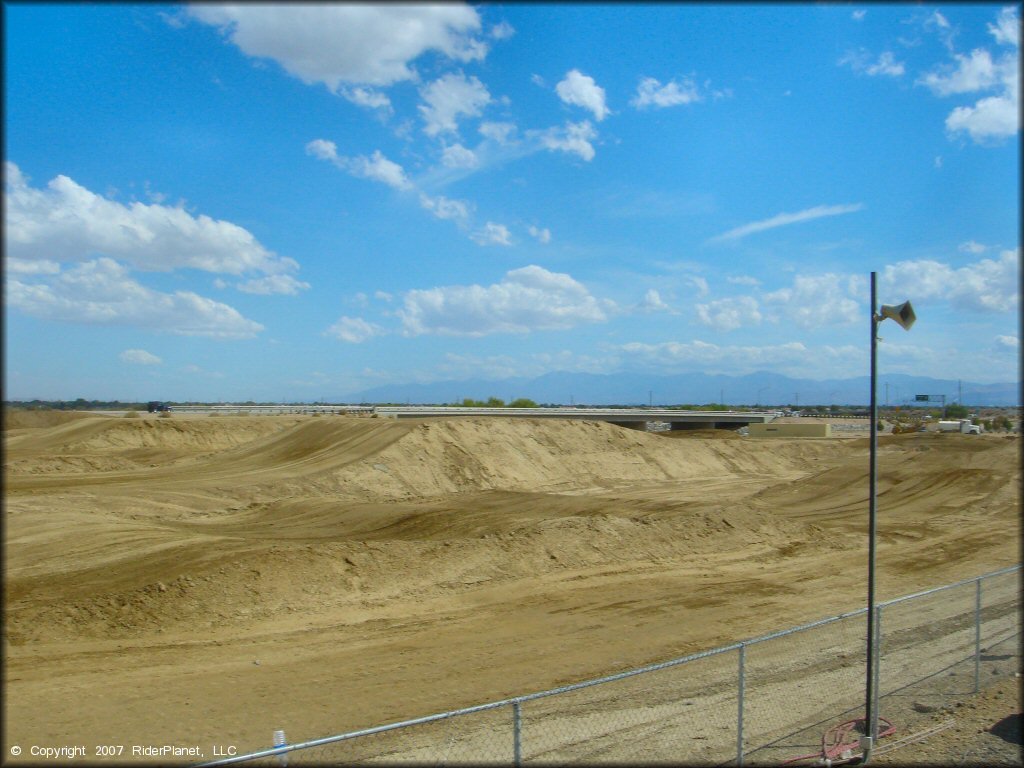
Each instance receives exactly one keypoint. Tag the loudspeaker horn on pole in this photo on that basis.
(901, 313)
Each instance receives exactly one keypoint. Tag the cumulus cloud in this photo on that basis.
(652, 302)
(449, 97)
(972, 73)
(700, 284)
(743, 280)
(497, 132)
(574, 138)
(100, 292)
(885, 64)
(730, 314)
(66, 222)
(458, 156)
(343, 43)
(375, 167)
(354, 330)
(31, 266)
(988, 285)
(502, 31)
(542, 235)
(366, 97)
(815, 301)
(784, 219)
(1008, 342)
(1006, 30)
(581, 90)
(492, 234)
(972, 247)
(271, 284)
(992, 117)
(444, 208)
(139, 357)
(527, 299)
(651, 93)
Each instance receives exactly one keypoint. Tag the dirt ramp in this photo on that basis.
(440, 457)
(24, 418)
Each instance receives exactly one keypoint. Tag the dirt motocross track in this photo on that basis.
(198, 580)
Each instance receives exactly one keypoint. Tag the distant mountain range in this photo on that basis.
(761, 388)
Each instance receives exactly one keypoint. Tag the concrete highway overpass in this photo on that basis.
(633, 418)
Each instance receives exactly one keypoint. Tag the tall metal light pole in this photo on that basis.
(904, 315)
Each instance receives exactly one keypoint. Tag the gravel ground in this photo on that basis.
(981, 730)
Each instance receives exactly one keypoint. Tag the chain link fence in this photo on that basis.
(764, 701)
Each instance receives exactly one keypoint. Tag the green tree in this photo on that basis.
(522, 402)
(956, 411)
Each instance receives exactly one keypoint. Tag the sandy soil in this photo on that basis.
(205, 581)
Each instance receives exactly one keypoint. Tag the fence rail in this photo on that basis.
(762, 700)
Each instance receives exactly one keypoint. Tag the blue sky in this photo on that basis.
(299, 202)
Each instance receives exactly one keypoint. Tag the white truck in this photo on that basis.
(962, 426)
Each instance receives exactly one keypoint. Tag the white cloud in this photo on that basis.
(816, 301)
(784, 219)
(581, 90)
(458, 156)
(498, 132)
(651, 93)
(542, 235)
(444, 208)
(353, 43)
(354, 330)
(139, 357)
(743, 280)
(652, 302)
(973, 73)
(1007, 28)
(30, 266)
(993, 117)
(574, 138)
(527, 299)
(281, 284)
(730, 314)
(1008, 342)
(502, 31)
(492, 234)
(858, 15)
(886, 64)
(448, 98)
(66, 222)
(700, 284)
(376, 166)
(985, 286)
(972, 247)
(99, 292)
(366, 97)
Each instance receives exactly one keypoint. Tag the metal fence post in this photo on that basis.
(741, 685)
(977, 635)
(878, 658)
(517, 732)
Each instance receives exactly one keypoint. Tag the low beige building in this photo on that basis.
(773, 429)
